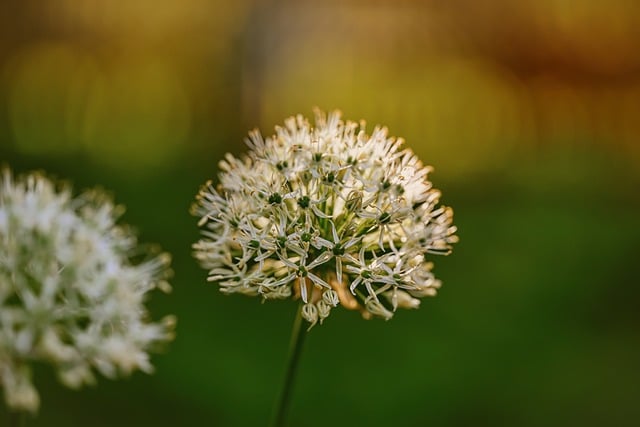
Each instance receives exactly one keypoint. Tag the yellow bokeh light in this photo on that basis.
(48, 85)
(133, 115)
(138, 115)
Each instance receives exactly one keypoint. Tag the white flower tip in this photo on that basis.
(431, 292)
(330, 297)
(377, 309)
(310, 314)
(25, 398)
(164, 259)
(76, 376)
(404, 300)
(20, 394)
(324, 309)
(164, 286)
(170, 321)
(203, 220)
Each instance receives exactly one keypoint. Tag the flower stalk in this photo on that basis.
(298, 334)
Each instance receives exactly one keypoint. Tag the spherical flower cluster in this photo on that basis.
(324, 213)
(72, 287)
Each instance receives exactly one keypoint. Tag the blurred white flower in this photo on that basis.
(72, 288)
(325, 213)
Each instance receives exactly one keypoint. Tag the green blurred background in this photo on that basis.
(529, 111)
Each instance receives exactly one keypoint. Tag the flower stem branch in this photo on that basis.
(298, 334)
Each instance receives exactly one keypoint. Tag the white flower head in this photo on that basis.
(72, 288)
(325, 213)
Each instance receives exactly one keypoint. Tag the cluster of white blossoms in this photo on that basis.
(72, 288)
(324, 213)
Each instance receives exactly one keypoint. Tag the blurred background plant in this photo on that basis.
(529, 111)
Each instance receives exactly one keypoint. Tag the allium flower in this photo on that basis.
(72, 287)
(325, 213)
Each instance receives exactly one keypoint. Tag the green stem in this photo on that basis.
(298, 334)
